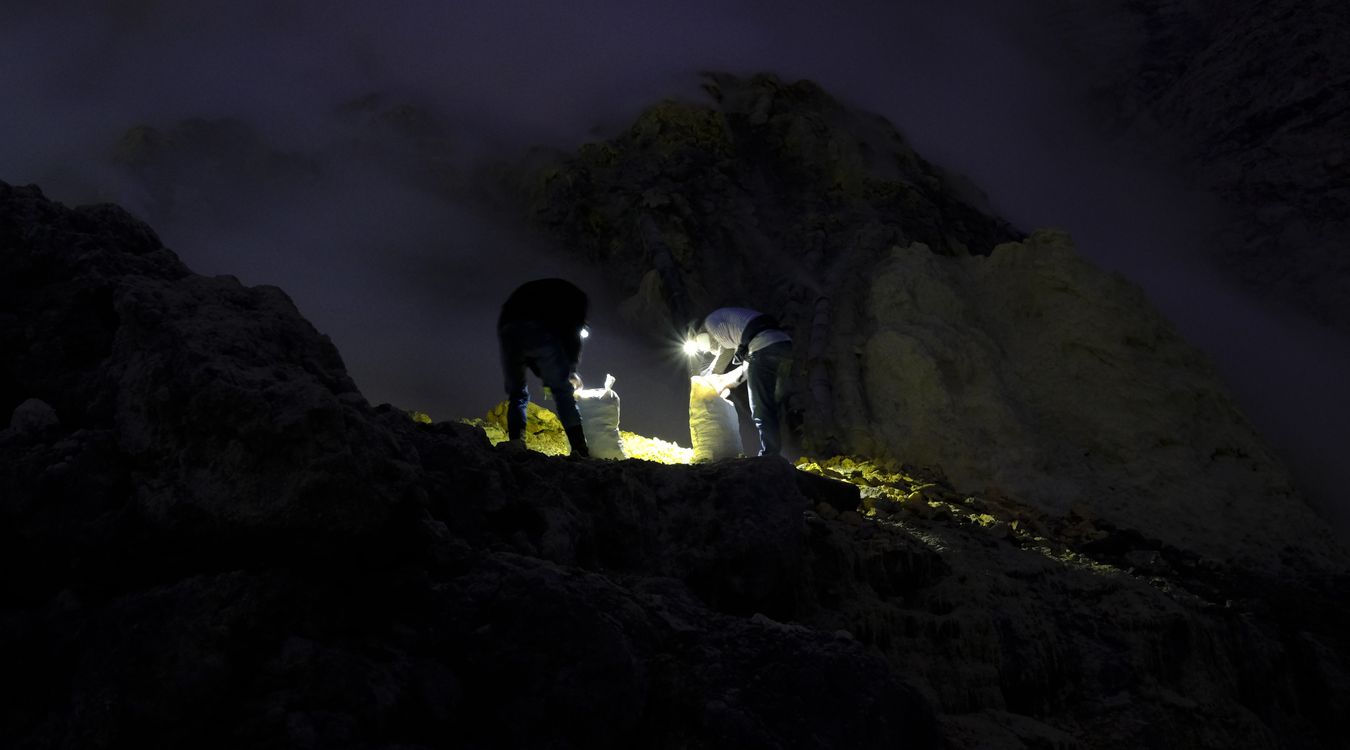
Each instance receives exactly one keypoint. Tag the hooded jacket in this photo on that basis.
(556, 305)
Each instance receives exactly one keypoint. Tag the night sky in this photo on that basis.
(408, 288)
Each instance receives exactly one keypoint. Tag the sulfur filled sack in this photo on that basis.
(714, 428)
(599, 409)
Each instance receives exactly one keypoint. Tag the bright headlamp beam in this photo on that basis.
(690, 347)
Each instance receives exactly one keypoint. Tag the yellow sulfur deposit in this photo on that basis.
(544, 433)
(655, 449)
(888, 493)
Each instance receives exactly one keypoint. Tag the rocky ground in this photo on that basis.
(209, 538)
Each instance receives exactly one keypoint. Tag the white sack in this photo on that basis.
(714, 428)
(599, 409)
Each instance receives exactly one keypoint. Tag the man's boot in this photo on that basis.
(577, 438)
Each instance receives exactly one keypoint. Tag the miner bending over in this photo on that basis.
(541, 327)
(752, 340)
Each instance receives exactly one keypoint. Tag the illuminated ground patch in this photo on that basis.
(544, 433)
(890, 493)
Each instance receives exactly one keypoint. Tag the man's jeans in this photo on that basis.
(767, 373)
(526, 344)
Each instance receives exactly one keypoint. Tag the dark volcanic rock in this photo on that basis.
(223, 411)
(209, 539)
(758, 195)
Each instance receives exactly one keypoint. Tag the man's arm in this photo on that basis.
(571, 346)
(720, 362)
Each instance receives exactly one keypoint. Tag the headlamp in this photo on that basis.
(698, 343)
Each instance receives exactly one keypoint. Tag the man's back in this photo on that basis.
(555, 301)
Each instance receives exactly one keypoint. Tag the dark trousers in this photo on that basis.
(767, 373)
(528, 345)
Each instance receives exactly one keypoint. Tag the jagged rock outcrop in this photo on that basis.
(1100, 644)
(1033, 371)
(135, 354)
(759, 195)
(921, 332)
(210, 539)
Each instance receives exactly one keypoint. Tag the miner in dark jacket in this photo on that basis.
(540, 327)
(753, 341)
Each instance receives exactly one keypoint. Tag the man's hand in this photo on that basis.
(575, 380)
(731, 378)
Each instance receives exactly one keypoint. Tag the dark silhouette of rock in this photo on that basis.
(218, 543)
